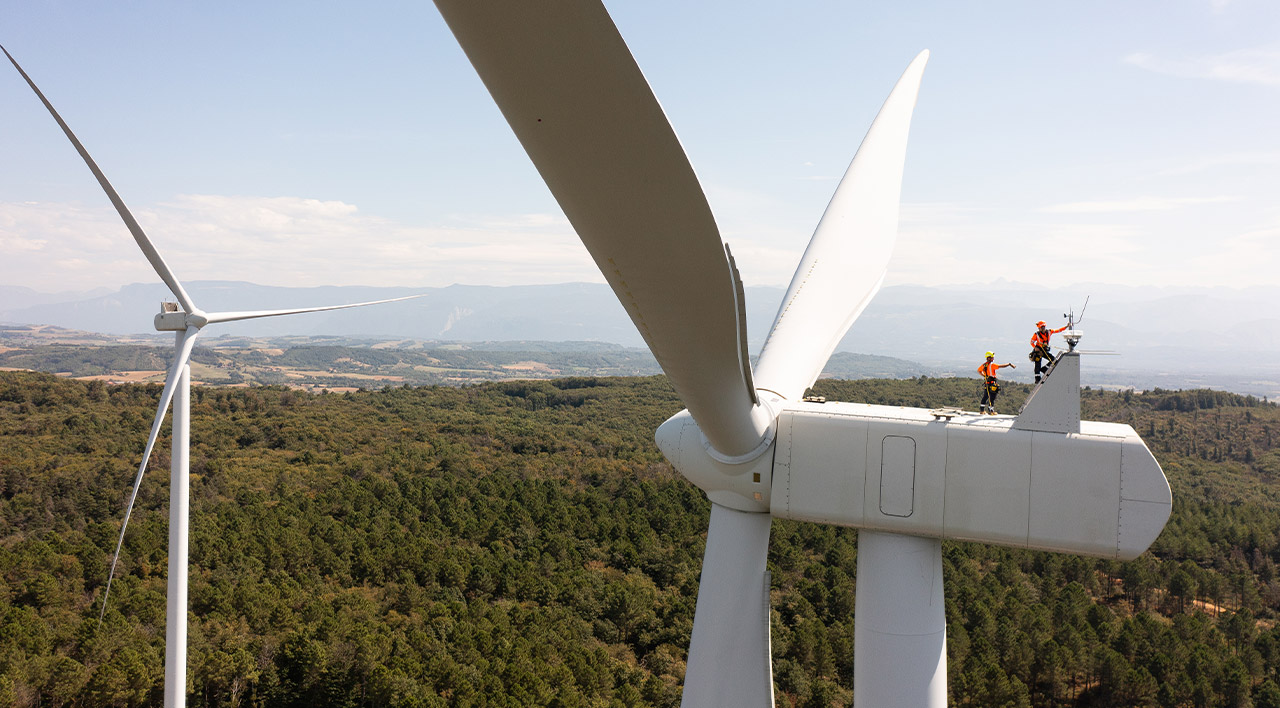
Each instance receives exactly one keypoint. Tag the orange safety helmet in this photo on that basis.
(1040, 323)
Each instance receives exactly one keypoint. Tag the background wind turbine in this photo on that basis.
(572, 93)
(186, 323)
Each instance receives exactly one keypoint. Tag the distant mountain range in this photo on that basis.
(1165, 337)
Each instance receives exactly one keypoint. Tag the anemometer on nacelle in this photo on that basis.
(1072, 335)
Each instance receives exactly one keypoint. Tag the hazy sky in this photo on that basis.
(309, 143)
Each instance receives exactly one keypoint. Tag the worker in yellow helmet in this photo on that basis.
(990, 387)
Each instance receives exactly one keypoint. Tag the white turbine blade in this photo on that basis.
(253, 314)
(729, 661)
(566, 82)
(846, 260)
(180, 359)
(161, 268)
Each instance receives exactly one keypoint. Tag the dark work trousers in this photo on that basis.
(990, 389)
(1042, 359)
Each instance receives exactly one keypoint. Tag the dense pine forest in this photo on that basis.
(525, 543)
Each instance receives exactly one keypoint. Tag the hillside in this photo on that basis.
(1181, 337)
(524, 543)
(345, 363)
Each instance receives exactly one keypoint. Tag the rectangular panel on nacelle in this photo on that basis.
(897, 475)
(988, 484)
(930, 439)
(1086, 475)
(821, 442)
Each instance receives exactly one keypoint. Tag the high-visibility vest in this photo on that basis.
(1041, 336)
(988, 369)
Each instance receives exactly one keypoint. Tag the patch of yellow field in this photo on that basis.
(372, 377)
(531, 366)
(123, 377)
(302, 373)
(137, 376)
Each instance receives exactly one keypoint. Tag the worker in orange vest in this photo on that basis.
(990, 387)
(1040, 348)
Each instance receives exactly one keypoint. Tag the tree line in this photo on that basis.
(525, 543)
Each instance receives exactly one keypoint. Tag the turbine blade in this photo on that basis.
(570, 89)
(729, 661)
(180, 359)
(253, 314)
(846, 259)
(148, 250)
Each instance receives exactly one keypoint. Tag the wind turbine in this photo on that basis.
(186, 323)
(571, 91)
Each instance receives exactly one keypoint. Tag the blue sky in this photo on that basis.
(292, 143)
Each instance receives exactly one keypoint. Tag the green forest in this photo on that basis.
(525, 544)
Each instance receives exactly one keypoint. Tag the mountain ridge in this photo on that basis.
(1195, 336)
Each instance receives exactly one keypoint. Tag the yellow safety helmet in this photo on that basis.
(990, 355)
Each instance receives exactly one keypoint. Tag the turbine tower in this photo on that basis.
(186, 321)
(571, 91)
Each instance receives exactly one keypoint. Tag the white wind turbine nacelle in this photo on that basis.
(186, 323)
(571, 91)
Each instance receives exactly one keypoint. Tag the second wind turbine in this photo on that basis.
(186, 320)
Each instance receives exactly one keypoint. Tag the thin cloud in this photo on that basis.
(519, 222)
(283, 241)
(765, 265)
(1250, 256)
(1245, 66)
(926, 212)
(1132, 205)
(12, 244)
(1044, 252)
(1238, 159)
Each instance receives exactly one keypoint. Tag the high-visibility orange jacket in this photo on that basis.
(989, 368)
(1041, 336)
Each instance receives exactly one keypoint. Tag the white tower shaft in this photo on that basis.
(900, 623)
(175, 660)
